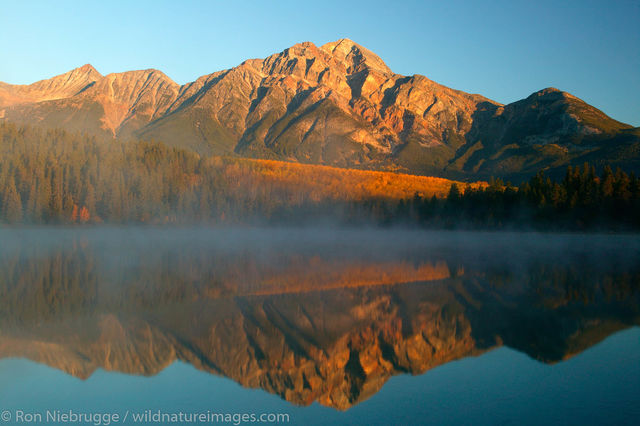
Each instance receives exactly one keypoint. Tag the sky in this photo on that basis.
(504, 50)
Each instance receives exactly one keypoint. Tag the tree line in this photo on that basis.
(57, 177)
(582, 200)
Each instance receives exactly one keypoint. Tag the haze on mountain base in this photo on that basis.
(337, 104)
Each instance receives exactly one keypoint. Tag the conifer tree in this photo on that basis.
(11, 203)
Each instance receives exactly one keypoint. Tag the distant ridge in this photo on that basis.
(338, 104)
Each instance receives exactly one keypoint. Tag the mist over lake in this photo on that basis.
(353, 325)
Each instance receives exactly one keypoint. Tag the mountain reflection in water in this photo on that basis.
(326, 316)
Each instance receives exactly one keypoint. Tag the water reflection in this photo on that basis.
(326, 316)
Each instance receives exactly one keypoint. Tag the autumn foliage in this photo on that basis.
(57, 177)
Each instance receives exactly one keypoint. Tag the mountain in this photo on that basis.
(547, 130)
(337, 104)
(82, 99)
(63, 86)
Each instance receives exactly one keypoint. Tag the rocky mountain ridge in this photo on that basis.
(337, 104)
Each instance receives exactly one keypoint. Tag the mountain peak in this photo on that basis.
(61, 86)
(147, 71)
(548, 91)
(85, 74)
(148, 75)
(336, 104)
(552, 94)
(344, 45)
(355, 56)
(87, 69)
(304, 49)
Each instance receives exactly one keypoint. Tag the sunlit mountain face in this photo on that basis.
(337, 104)
(323, 316)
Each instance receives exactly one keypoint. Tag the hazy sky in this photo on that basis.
(504, 50)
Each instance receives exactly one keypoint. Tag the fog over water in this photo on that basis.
(313, 316)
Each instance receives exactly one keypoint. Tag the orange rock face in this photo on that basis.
(366, 102)
(337, 104)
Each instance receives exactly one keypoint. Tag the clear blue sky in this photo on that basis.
(504, 50)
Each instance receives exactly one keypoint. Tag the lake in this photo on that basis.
(318, 326)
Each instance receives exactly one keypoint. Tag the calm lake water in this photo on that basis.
(324, 326)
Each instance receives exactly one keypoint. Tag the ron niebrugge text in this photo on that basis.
(146, 416)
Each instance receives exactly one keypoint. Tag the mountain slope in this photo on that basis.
(59, 87)
(338, 104)
(548, 129)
